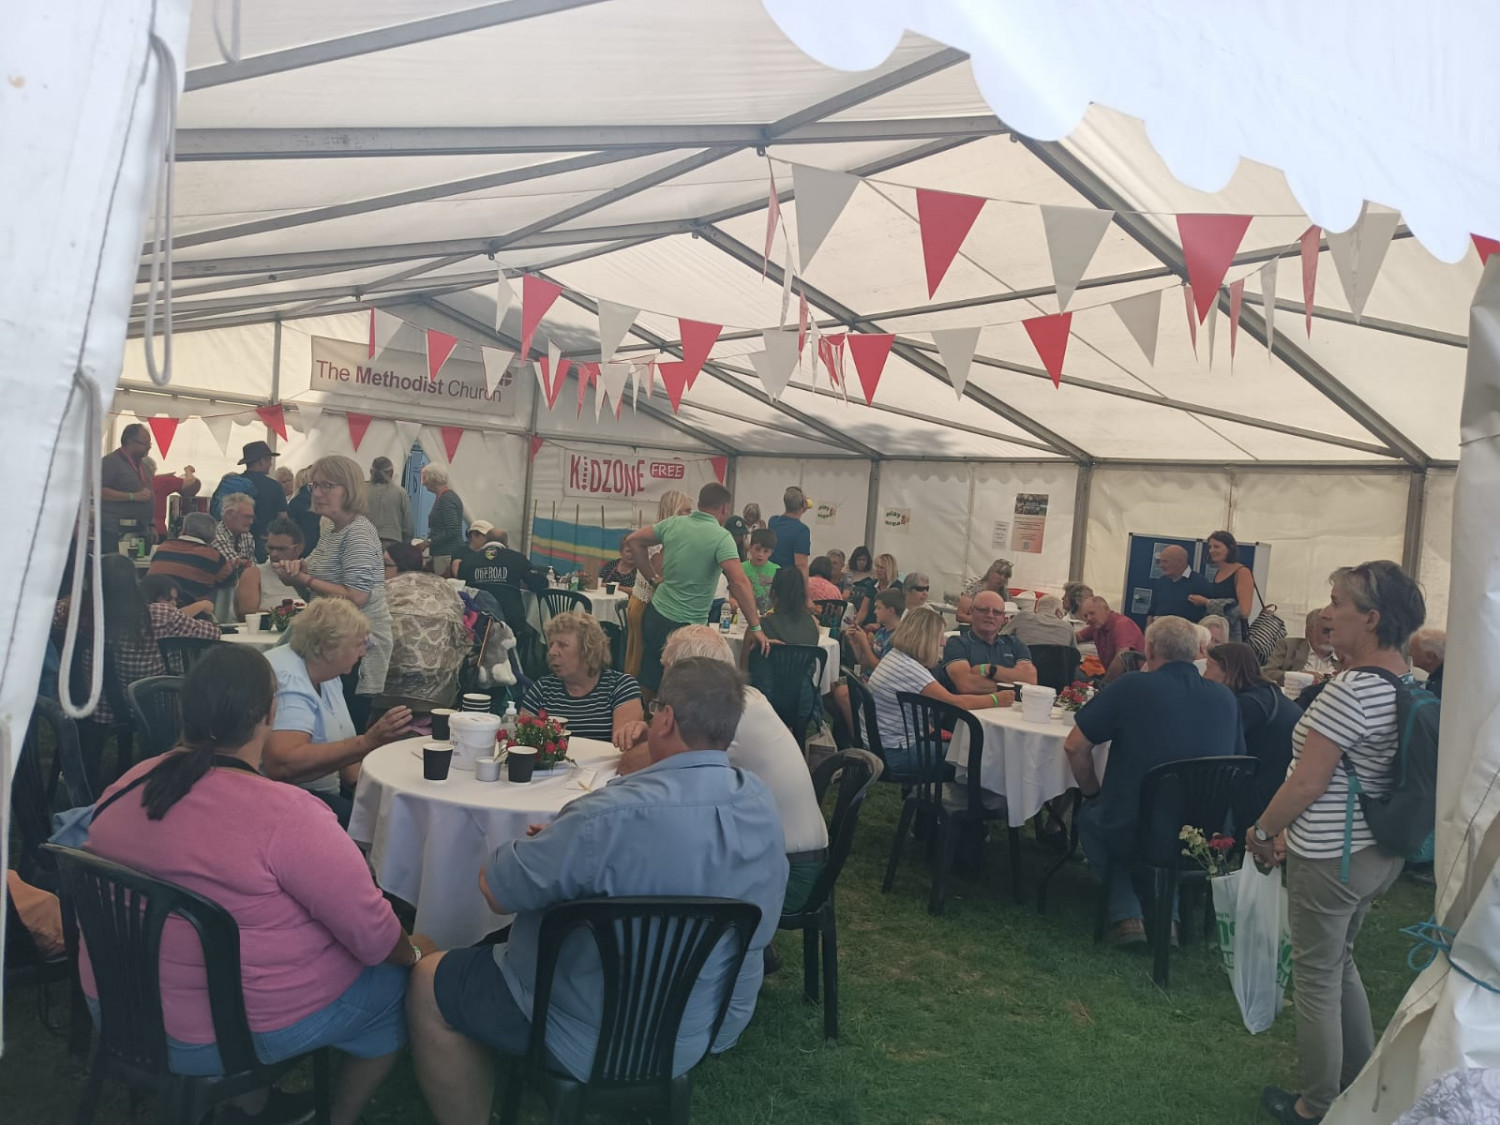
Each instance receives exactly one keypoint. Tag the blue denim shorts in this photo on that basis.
(367, 1021)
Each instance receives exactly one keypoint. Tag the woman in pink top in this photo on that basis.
(323, 958)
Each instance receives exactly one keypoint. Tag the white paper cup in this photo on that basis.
(1036, 703)
(1295, 683)
(487, 769)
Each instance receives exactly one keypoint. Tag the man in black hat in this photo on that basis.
(270, 497)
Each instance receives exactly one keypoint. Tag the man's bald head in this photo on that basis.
(1173, 560)
(1095, 612)
(988, 614)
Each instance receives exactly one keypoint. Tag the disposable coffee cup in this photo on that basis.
(436, 758)
(610, 588)
(520, 761)
(487, 769)
(476, 701)
(1295, 683)
(440, 729)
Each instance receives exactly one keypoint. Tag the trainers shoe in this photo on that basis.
(1282, 1105)
(280, 1109)
(1132, 931)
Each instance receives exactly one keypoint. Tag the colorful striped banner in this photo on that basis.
(565, 546)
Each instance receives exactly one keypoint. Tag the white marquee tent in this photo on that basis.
(340, 157)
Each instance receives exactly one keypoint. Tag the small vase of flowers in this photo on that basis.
(1071, 698)
(281, 616)
(547, 735)
(1211, 853)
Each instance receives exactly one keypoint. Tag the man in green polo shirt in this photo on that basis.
(695, 551)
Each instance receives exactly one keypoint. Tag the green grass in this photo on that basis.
(988, 1014)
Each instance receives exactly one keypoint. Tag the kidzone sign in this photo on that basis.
(626, 478)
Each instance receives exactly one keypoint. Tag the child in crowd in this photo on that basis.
(760, 570)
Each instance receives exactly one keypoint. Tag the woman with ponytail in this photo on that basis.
(323, 958)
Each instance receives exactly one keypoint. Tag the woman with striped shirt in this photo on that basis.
(1334, 870)
(597, 701)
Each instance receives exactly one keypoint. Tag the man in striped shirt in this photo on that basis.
(192, 562)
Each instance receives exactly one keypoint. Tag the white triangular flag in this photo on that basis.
(635, 386)
(957, 346)
(812, 361)
(383, 326)
(1359, 252)
(504, 296)
(786, 286)
(1213, 319)
(821, 196)
(1142, 316)
(221, 427)
(495, 441)
(612, 378)
(614, 321)
(599, 392)
(776, 364)
(541, 379)
(496, 360)
(1073, 234)
(406, 436)
(307, 418)
(1268, 304)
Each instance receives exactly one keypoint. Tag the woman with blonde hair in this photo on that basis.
(313, 742)
(885, 575)
(916, 647)
(672, 503)
(348, 563)
(389, 506)
(597, 701)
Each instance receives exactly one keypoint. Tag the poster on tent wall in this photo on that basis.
(1029, 528)
(344, 367)
(629, 475)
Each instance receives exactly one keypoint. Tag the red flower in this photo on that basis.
(550, 748)
(1221, 843)
(542, 714)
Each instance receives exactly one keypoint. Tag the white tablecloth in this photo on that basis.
(428, 841)
(249, 635)
(1023, 762)
(608, 609)
(829, 644)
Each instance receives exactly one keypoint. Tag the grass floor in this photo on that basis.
(991, 1013)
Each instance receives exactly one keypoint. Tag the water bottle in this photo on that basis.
(724, 620)
(573, 582)
(508, 722)
(551, 577)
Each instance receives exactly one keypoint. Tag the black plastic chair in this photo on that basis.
(790, 676)
(181, 653)
(43, 786)
(616, 637)
(653, 951)
(552, 602)
(1056, 665)
(950, 807)
(716, 611)
(831, 612)
(1201, 792)
(856, 771)
(121, 912)
(156, 703)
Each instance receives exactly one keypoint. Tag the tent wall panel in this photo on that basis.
(839, 485)
(192, 444)
(1437, 544)
(1316, 522)
(235, 361)
(1184, 502)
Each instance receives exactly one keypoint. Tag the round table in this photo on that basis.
(608, 608)
(428, 841)
(254, 638)
(1023, 762)
(828, 643)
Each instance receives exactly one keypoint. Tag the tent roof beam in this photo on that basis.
(379, 39)
(1092, 187)
(195, 145)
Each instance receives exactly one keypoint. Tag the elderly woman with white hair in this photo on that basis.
(917, 587)
(1218, 629)
(347, 563)
(445, 523)
(765, 747)
(313, 741)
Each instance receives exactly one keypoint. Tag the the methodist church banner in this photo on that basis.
(343, 367)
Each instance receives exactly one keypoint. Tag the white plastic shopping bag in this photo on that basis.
(1254, 940)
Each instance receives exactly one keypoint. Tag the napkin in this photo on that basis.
(581, 779)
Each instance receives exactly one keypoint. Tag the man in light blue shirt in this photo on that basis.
(687, 824)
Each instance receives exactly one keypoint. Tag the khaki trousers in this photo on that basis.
(635, 614)
(1335, 1036)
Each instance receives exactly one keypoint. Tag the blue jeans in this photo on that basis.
(1123, 903)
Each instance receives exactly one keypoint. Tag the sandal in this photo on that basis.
(1282, 1105)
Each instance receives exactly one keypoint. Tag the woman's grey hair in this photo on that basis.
(237, 500)
(326, 626)
(435, 474)
(1383, 587)
(1050, 606)
(1173, 638)
(696, 642)
(1434, 642)
(1215, 619)
(916, 578)
(707, 698)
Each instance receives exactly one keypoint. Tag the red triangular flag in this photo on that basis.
(163, 430)
(674, 377)
(773, 217)
(1049, 336)
(1237, 299)
(720, 467)
(1209, 243)
(1187, 298)
(1485, 246)
(537, 295)
(554, 378)
(870, 351)
(698, 339)
(452, 435)
(586, 374)
(945, 220)
(801, 322)
(358, 424)
(274, 417)
(536, 446)
(831, 352)
(440, 346)
(1311, 238)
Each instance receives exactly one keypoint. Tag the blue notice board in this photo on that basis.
(1141, 569)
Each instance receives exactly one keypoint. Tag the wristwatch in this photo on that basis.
(1259, 833)
(416, 953)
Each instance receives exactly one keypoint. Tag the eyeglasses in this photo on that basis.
(653, 708)
(920, 589)
(323, 485)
